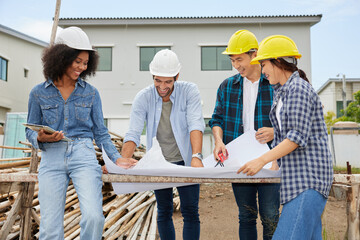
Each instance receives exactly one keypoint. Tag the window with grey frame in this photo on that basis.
(212, 59)
(105, 58)
(146, 56)
(3, 68)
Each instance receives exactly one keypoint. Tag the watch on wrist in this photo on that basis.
(197, 155)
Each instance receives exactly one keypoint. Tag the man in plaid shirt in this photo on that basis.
(243, 103)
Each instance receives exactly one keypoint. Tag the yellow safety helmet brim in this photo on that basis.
(276, 46)
(241, 42)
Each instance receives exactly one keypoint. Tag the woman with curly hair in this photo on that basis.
(71, 106)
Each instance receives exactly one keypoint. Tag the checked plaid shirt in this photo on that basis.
(229, 107)
(302, 121)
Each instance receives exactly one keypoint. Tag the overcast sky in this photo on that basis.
(335, 40)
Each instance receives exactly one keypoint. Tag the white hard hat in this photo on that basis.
(74, 37)
(165, 64)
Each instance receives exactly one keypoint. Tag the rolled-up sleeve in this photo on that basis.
(299, 117)
(34, 117)
(194, 110)
(217, 118)
(137, 119)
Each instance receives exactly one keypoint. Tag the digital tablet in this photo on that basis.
(47, 129)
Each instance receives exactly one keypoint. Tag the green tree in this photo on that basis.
(330, 120)
(352, 112)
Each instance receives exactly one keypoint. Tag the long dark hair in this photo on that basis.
(57, 58)
(291, 67)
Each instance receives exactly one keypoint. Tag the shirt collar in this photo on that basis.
(239, 77)
(51, 82)
(286, 86)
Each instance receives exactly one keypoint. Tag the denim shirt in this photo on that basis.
(186, 116)
(80, 116)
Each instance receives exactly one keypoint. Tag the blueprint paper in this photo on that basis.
(241, 150)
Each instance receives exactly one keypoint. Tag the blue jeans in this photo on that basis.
(269, 203)
(301, 217)
(189, 206)
(60, 162)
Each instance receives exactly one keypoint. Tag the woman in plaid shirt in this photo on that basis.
(300, 142)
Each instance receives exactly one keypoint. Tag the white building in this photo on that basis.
(20, 69)
(331, 91)
(127, 45)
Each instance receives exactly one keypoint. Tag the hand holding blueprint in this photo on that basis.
(241, 150)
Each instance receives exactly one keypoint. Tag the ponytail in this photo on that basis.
(303, 75)
(287, 66)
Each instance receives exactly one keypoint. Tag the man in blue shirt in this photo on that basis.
(243, 104)
(172, 113)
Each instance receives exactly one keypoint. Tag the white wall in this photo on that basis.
(119, 86)
(346, 149)
(20, 54)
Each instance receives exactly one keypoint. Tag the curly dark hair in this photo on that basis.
(57, 58)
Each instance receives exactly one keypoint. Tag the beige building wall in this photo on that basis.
(22, 52)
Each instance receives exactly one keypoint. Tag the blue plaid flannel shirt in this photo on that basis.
(229, 107)
(302, 121)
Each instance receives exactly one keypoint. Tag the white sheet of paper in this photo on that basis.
(241, 150)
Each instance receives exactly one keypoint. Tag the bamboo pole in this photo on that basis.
(140, 197)
(133, 234)
(129, 224)
(70, 218)
(72, 226)
(14, 164)
(14, 159)
(147, 223)
(35, 217)
(14, 148)
(25, 143)
(73, 234)
(56, 21)
(12, 216)
(127, 216)
(152, 231)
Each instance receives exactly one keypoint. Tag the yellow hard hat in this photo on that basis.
(274, 47)
(241, 42)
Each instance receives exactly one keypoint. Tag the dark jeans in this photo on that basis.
(269, 203)
(189, 206)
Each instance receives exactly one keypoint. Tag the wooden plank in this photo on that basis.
(6, 187)
(161, 179)
(4, 232)
(346, 178)
(353, 231)
(32, 177)
(25, 230)
(339, 191)
(18, 177)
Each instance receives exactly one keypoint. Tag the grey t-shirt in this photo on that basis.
(165, 135)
